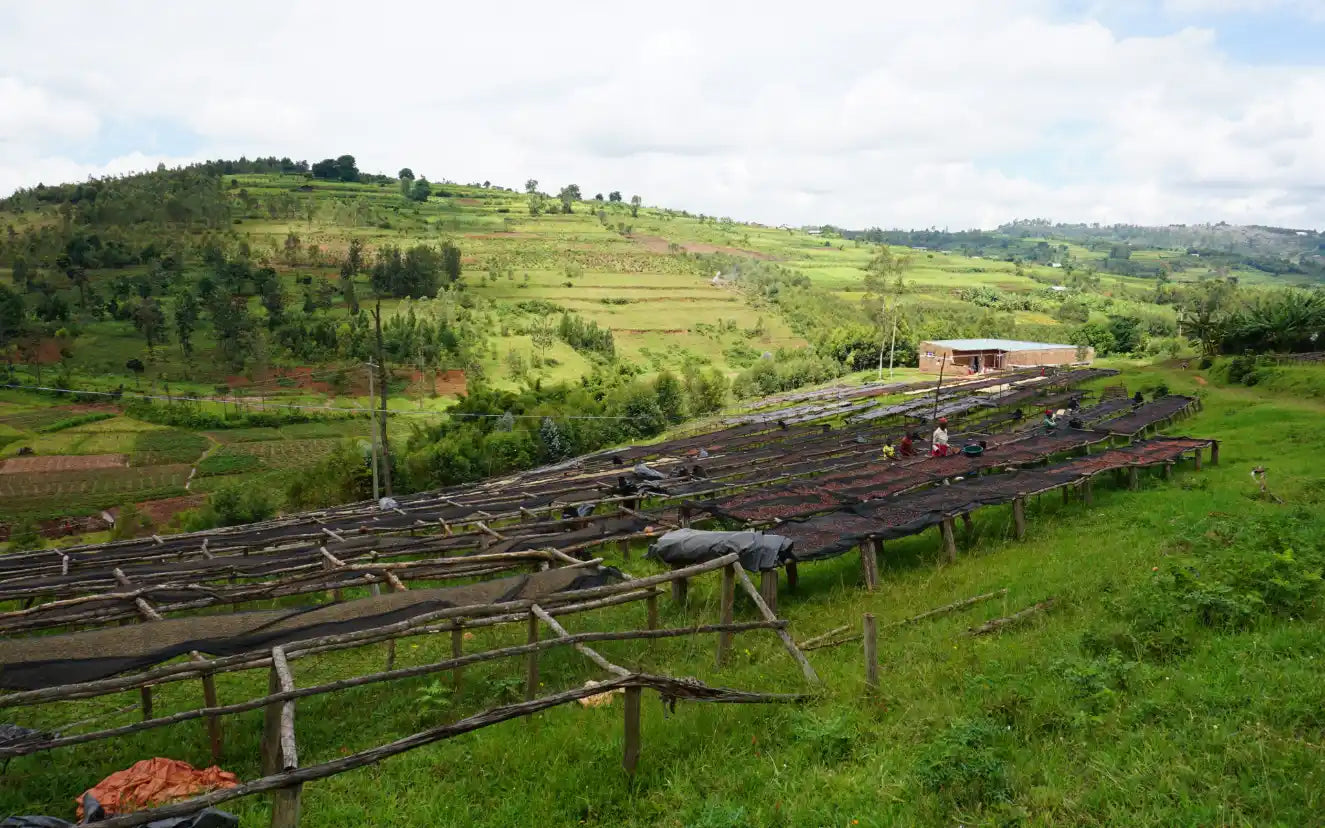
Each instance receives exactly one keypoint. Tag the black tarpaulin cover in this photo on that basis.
(46, 661)
(758, 551)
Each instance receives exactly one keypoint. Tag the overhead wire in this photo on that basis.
(300, 407)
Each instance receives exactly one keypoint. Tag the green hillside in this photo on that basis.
(240, 294)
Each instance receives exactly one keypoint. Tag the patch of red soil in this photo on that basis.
(45, 351)
(657, 244)
(161, 511)
(468, 202)
(62, 462)
(448, 382)
(1201, 381)
(305, 377)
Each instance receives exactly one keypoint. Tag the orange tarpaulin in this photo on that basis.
(153, 782)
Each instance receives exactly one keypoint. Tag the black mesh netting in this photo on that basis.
(46, 661)
(777, 502)
(1146, 415)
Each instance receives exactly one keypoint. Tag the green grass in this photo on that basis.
(1031, 726)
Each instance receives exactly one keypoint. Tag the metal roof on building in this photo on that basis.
(994, 345)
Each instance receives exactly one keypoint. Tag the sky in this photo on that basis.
(947, 113)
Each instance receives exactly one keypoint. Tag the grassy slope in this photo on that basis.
(664, 303)
(1229, 734)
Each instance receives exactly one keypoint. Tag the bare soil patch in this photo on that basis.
(63, 462)
(161, 511)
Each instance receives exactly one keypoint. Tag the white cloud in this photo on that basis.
(948, 113)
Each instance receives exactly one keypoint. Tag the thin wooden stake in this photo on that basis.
(145, 696)
(1214, 453)
(1019, 515)
(531, 661)
(727, 604)
(652, 604)
(871, 654)
(1133, 477)
(457, 649)
(630, 753)
(680, 591)
(768, 588)
(210, 700)
(1196, 456)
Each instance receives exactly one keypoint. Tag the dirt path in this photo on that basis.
(193, 472)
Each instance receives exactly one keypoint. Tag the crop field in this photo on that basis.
(167, 446)
(48, 494)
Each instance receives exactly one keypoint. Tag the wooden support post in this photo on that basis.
(1196, 456)
(1167, 471)
(1088, 491)
(866, 566)
(876, 549)
(271, 728)
(652, 604)
(683, 515)
(793, 576)
(1019, 515)
(457, 650)
(727, 601)
(285, 804)
(1066, 494)
(623, 546)
(680, 590)
(768, 588)
(949, 540)
(871, 654)
(1133, 477)
(1214, 453)
(968, 526)
(209, 700)
(630, 753)
(145, 696)
(531, 662)
(285, 807)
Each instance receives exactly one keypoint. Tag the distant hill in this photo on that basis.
(1285, 255)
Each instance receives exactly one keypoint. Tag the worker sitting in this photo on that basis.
(939, 446)
(907, 448)
(889, 451)
(1050, 422)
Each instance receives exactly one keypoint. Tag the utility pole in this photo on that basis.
(372, 418)
(943, 359)
(382, 392)
(892, 351)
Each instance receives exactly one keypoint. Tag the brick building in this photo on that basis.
(998, 354)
